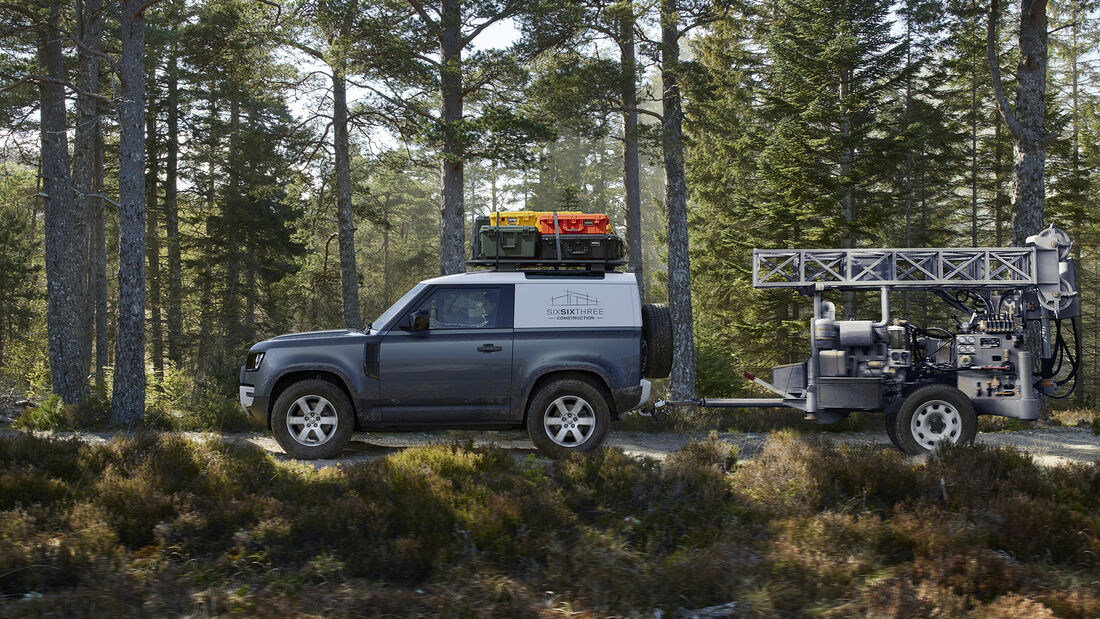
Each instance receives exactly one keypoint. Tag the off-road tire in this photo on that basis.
(656, 340)
(312, 392)
(934, 414)
(581, 412)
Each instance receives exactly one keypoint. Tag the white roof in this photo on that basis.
(516, 277)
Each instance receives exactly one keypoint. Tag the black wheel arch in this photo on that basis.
(557, 374)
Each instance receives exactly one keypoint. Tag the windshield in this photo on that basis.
(400, 304)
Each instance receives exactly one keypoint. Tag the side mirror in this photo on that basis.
(417, 321)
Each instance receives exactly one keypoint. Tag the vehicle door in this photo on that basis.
(449, 358)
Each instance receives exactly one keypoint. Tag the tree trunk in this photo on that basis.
(682, 380)
(205, 278)
(152, 236)
(231, 314)
(86, 136)
(1028, 190)
(974, 159)
(128, 400)
(65, 275)
(1079, 396)
(998, 186)
(1026, 121)
(171, 218)
(632, 192)
(349, 278)
(1028, 136)
(99, 245)
(386, 298)
(452, 234)
(849, 189)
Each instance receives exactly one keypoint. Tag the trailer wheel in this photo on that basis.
(656, 340)
(932, 415)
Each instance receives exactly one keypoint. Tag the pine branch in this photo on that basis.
(50, 80)
(995, 71)
(141, 9)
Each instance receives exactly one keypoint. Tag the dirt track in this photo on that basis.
(1050, 445)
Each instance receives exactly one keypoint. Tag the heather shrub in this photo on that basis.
(174, 526)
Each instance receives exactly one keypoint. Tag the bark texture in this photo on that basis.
(152, 238)
(1026, 121)
(682, 380)
(1029, 139)
(452, 235)
(171, 216)
(86, 138)
(632, 192)
(128, 399)
(99, 245)
(231, 306)
(349, 278)
(66, 279)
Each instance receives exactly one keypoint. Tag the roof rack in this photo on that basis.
(520, 264)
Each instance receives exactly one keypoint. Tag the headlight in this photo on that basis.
(254, 359)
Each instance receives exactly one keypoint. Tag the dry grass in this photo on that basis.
(166, 526)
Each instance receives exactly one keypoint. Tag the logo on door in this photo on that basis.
(572, 305)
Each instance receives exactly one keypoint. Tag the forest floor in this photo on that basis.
(1048, 445)
(664, 524)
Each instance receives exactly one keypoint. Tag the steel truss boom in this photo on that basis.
(1040, 266)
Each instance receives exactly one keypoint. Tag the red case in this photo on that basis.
(580, 223)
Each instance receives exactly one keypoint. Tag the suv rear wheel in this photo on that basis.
(568, 415)
(312, 419)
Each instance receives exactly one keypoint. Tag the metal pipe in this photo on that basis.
(885, 302)
(811, 364)
(743, 403)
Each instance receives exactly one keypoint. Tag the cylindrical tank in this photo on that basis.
(856, 333)
(825, 333)
(825, 329)
(895, 334)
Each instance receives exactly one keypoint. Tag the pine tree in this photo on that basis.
(432, 54)
(128, 398)
(18, 267)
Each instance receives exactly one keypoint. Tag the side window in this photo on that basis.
(464, 308)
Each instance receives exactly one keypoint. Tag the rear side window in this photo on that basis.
(467, 308)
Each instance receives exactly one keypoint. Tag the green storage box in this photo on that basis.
(508, 241)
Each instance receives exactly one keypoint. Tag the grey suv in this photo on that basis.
(560, 353)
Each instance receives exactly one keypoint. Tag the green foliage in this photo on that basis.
(53, 414)
(171, 404)
(20, 268)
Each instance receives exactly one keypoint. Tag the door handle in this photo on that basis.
(489, 348)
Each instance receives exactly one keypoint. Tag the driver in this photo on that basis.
(488, 309)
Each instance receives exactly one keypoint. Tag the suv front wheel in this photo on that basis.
(312, 419)
(568, 415)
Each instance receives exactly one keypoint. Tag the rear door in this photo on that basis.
(459, 371)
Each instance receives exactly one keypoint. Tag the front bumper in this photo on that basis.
(248, 394)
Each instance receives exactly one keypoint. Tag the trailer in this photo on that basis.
(930, 382)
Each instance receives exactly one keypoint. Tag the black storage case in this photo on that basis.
(580, 247)
(475, 240)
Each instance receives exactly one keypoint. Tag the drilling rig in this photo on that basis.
(1005, 350)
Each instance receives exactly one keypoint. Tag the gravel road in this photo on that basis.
(1050, 446)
